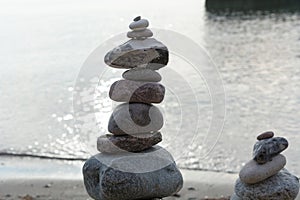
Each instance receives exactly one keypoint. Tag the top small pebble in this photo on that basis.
(139, 24)
(265, 135)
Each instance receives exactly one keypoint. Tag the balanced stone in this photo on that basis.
(140, 74)
(253, 172)
(264, 150)
(127, 176)
(148, 53)
(282, 186)
(115, 144)
(133, 91)
(135, 118)
(142, 34)
(139, 24)
(265, 135)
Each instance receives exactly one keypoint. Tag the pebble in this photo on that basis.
(133, 91)
(265, 135)
(264, 150)
(142, 34)
(253, 172)
(148, 53)
(141, 74)
(142, 23)
(282, 186)
(127, 176)
(137, 143)
(134, 118)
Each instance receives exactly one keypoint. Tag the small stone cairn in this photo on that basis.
(131, 165)
(264, 177)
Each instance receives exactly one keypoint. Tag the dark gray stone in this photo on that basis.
(265, 135)
(264, 150)
(130, 176)
(140, 74)
(135, 118)
(136, 143)
(133, 91)
(282, 186)
(148, 53)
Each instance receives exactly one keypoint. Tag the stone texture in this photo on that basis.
(133, 91)
(265, 135)
(119, 176)
(253, 172)
(282, 186)
(134, 118)
(140, 34)
(136, 143)
(148, 53)
(140, 74)
(264, 150)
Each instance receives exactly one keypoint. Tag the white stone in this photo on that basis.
(253, 172)
(142, 23)
(140, 34)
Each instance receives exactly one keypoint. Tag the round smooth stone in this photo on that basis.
(253, 172)
(265, 135)
(142, 74)
(133, 91)
(135, 118)
(265, 150)
(281, 186)
(115, 144)
(142, 34)
(142, 23)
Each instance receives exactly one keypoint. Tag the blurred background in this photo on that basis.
(44, 44)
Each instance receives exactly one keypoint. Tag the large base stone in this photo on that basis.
(129, 176)
(282, 186)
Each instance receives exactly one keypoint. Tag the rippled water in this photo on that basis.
(44, 45)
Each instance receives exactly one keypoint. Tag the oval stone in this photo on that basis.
(142, 23)
(133, 91)
(264, 150)
(141, 74)
(253, 172)
(265, 135)
(134, 118)
(140, 34)
(281, 186)
(131, 143)
(148, 53)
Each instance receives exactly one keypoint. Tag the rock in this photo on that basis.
(141, 34)
(136, 143)
(235, 197)
(148, 175)
(253, 172)
(264, 150)
(134, 118)
(148, 53)
(133, 91)
(141, 23)
(265, 135)
(140, 74)
(282, 186)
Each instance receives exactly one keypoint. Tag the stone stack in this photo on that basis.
(131, 165)
(264, 177)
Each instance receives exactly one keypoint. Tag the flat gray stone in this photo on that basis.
(253, 172)
(140, 23)
(136, 143)
(133, 91)
(282, 186)
(148, 53)
(148, 175)
(141, 74)
(140, 34)
(135, 118)
(264, 150)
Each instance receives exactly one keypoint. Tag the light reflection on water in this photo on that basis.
(257, 54)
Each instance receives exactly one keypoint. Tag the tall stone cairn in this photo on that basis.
(131, 165)
(264, 177)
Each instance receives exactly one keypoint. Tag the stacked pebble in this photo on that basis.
(134, 125)
(264, 177)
